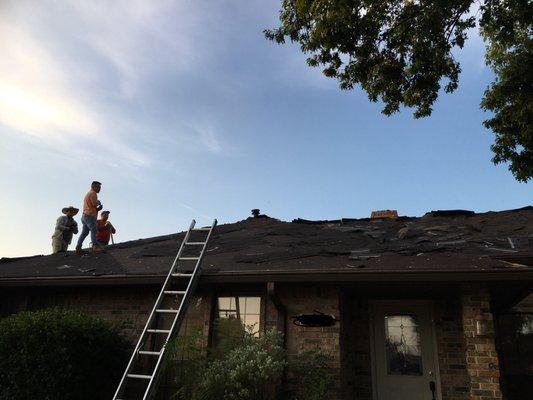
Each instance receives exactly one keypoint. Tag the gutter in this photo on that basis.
(248, 276)
(104, 280)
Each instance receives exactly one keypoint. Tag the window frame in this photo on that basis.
(235, 293)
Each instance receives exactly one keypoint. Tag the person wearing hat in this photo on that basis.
(65, 228)
(104, 227)
(91, 206)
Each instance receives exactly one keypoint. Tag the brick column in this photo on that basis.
(356, 371)
(454, 378)
(481, 357)
(303, 300)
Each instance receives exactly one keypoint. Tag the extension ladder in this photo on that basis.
(175, 276)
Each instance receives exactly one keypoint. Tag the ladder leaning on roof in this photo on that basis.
(176, 275)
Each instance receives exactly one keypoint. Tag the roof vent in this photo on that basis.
(391, 214)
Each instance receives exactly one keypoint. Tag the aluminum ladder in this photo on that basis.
(174, 276)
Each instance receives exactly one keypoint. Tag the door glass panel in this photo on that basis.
(402, 335)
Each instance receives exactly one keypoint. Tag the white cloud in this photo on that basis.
(195, 211)
(139, 38)
(39, 97)
(209, 139)
(32, 97)
(76, 69)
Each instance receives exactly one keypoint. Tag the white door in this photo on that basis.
(404, 351)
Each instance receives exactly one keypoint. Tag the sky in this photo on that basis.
(182, 109)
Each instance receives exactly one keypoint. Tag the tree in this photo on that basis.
(59, 354)
(400, 52)
(507, 28)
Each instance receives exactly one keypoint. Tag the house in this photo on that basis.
(434, 307)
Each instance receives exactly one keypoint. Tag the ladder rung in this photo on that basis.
(181, 275)
(137, 376)
(158, 330)
(174, 292)
(189, 258)
(149, 353)
(195, 243)
(167, 311)
(202, 229)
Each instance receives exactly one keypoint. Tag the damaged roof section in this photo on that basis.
(451, 240)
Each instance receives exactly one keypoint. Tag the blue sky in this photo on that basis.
(183, 110)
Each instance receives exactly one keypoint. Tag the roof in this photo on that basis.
(440, 242)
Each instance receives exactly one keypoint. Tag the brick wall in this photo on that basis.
(481, 357)
(196, 323)
(304, 300)
(356, 375)
(356, 372)
(468, 363)
(455, 382)
(128, 306)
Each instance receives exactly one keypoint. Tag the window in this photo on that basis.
(404, 356)
(515, 343)
(239, 314)
(515, 335)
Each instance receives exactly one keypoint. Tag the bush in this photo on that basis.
(59, 354)
(240, 368)
(185, 362)
(229, 333)
(248, 372)
(244, 367)
(311, 371)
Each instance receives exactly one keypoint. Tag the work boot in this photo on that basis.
(98, 249)
(79, 251)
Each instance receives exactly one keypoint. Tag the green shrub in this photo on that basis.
(185, 363)
(310, 369)
(243, 367)
(247, 372)
(59, 354)
(229, 333)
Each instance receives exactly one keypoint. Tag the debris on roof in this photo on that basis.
(450, 213)
(455, 240)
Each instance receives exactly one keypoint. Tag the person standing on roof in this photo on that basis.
(65, 228)
(91, 206)
(104, 227)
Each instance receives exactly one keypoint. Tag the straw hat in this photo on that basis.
(67, 209)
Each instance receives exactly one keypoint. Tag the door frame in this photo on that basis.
(373, 361)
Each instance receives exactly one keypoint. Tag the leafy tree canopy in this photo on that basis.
(400, 52)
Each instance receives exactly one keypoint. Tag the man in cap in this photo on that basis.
(65, 228)
(91, 206)
(104, 227)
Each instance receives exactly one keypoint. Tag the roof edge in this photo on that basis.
(340, 276)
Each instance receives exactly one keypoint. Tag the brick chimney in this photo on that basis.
(391, 214)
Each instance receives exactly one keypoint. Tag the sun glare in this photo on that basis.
(41, 115)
